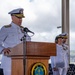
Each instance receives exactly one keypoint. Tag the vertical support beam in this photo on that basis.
(65, 19)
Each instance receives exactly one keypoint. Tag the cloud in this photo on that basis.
(72, 13)
(72, 39)
(42, 17)
(45, 15)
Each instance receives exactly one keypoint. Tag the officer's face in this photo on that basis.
(60, 40)
(64, 40)
(17, 20)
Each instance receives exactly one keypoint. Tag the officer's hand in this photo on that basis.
(55, 69)
(6, 50)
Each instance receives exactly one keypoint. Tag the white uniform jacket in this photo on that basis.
(60, 56)
(10, 36)
(67, 55)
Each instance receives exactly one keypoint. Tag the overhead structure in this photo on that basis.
(65, 19)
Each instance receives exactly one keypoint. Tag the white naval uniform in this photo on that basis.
(10, 37)
(66, 59)
(60, 57)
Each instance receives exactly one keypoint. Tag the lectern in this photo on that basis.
(37, 56)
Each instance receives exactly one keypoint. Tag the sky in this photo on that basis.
(41, 16)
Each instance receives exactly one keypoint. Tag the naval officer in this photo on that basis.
(58, 62)
(58, 57)
(66, 49)
(10, 36)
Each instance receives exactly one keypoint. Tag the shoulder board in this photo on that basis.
(7, 26)
(21, 27)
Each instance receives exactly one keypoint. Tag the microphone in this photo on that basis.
(27, 30)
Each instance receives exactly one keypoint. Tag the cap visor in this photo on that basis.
(19, 15)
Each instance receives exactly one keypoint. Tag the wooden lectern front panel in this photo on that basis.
(41, 48)
(37, 56)
(34, 49)
(32, 62)
(17, 66)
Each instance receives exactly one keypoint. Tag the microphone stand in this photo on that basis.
(24, 52)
